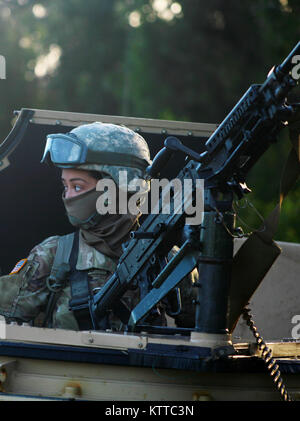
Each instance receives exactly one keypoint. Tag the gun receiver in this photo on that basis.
(230, 152)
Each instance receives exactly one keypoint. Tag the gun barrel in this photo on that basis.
(287, 64)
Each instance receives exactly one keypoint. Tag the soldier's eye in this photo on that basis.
(77, 188)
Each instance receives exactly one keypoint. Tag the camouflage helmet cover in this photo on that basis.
(109, 137)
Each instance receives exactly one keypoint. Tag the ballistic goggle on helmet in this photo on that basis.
(103, 147)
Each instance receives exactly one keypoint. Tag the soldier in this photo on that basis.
(62, 272)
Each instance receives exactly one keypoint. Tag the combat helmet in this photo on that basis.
(103, 147)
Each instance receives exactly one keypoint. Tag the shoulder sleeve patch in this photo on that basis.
(18, 266)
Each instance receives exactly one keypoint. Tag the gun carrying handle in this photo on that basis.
(159, 161)
(172, 145)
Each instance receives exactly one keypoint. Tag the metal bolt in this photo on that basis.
(71, 391)
(202, 396)
(3, 375)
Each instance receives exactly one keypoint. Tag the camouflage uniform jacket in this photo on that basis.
(24, 295)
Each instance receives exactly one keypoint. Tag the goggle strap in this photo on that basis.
(115, 159)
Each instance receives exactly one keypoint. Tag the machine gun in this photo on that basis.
(230, 152)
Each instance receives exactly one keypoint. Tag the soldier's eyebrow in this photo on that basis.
(75, 179)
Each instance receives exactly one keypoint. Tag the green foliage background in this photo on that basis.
(182, 60)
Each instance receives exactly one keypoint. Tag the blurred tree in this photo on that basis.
(16, 91)
(171, 59)
(194, 58)
(281, 31)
